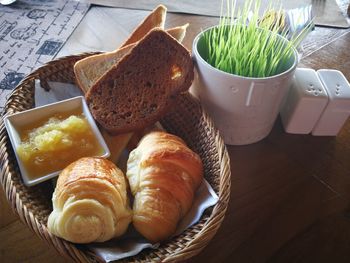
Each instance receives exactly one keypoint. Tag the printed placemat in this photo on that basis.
(31, 34)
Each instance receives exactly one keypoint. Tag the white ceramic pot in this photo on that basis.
(243, 109)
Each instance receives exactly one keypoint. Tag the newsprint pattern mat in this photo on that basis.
(31, 34)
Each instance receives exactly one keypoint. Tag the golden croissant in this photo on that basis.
(163, 175)
(90, 202)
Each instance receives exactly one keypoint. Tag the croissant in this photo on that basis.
(90, 202)
(163, 175)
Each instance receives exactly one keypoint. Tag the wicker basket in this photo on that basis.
(188, 120)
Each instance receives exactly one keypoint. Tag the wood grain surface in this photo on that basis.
(326, 12)
(290, 196)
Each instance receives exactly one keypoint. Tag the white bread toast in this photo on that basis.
(155, 19)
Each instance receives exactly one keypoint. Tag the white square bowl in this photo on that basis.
(14, 122)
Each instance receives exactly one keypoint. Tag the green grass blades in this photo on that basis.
(250, 49)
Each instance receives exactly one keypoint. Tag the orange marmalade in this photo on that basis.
(50, 145)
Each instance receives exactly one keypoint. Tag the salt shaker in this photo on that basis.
(338, 107)
(304, 103)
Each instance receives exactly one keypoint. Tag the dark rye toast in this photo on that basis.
(138, 90)
(88, 70)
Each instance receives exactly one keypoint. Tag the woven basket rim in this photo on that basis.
(69, 250)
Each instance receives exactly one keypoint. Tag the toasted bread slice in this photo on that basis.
(155, 19)
(116, 144)
(89, 70)
(178, 32)
(136, 92)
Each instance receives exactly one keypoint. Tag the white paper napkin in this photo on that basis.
(59, 91)
(131, 243)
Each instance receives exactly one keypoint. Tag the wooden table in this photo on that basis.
(290, 193)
